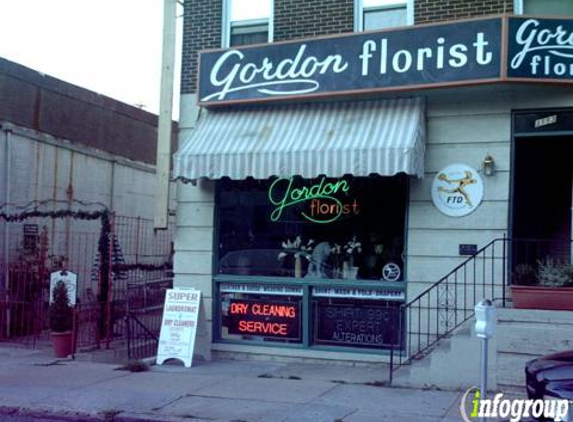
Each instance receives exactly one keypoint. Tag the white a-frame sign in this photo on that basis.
(179, 325)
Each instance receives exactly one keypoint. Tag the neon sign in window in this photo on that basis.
(323, 198)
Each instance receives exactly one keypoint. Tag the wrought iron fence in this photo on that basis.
(143, 319)
(34, 246)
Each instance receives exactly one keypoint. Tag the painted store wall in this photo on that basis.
(463, 126)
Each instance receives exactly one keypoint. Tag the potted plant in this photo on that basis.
(548, 287)
(61, 316)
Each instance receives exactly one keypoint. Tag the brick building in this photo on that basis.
(360, 175)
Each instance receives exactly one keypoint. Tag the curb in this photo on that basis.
(50, 414)
(75, 416)
(141, 417)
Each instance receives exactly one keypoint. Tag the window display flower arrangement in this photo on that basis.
(353, 249)
(297, 248)
(337, 259)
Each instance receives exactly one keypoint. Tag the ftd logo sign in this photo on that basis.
(457, 190)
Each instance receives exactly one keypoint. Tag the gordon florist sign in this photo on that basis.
(455, 53)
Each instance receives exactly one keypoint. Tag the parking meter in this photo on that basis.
(486, 319)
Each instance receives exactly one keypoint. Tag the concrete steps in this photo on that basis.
(454, 363)
(521, 335)
(525, 334)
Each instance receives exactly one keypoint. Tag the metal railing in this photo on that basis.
(143, 318)
(445, 305)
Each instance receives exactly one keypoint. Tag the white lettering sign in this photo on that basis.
(430, 55)
(549, 120)
(298, 70)
(547, 49)
(385, 294)
(179, 325)
(261, 288)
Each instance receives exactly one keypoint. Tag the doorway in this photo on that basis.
(541, 217)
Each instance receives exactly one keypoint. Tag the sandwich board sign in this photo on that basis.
(70, 280)
(179, 325)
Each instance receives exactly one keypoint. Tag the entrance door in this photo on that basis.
(542, 220)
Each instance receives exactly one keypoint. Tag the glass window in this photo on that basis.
(249, 33)
(545, 7)
(247, 22)
(384, 18)
(377, 14)
(351, 322)
(325, 228)
(261, 313)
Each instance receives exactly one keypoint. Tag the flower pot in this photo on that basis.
(349, 272)
(62, 343)
(538, 297)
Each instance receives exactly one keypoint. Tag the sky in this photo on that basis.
(112, 47)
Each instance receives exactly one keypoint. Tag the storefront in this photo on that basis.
(308, 179)
(313, 257)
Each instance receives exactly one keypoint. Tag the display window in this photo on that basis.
(347, 228)
(257, 312)
(311, 262)
(362, 323)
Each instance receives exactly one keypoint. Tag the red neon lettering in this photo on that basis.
(274, 310)
(239, 308)
(256, 327)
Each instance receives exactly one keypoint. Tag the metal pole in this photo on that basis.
(7, 134)
(391, 375)
(483, 383)
(165, 116)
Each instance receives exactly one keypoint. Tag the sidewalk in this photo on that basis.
(33, 380)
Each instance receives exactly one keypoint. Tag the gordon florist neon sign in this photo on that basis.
(324, 205)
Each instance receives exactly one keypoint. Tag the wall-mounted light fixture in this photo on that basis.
(488, 165)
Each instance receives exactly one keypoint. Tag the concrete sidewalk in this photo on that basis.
(214, 391)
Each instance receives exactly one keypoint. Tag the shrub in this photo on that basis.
(524, 275)
(553, 273)
(60, 312)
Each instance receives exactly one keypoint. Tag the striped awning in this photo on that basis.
(383, 137)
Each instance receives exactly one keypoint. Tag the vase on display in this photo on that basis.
(349, 272)
(297, 267)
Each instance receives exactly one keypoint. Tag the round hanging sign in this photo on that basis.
(457, 190)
